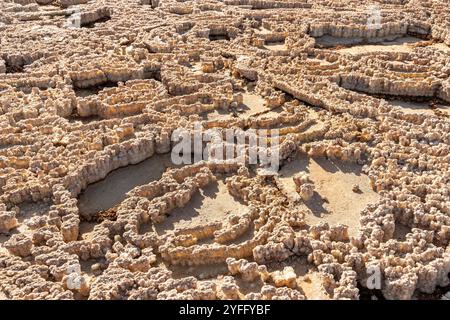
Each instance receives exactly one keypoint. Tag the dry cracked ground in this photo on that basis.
(93, 207)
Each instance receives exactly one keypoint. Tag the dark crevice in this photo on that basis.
(376, 294)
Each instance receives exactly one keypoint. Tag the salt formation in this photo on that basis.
(89, 87)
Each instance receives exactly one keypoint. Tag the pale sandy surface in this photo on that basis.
(419, 107)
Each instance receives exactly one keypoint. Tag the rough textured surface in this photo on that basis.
(91, 92)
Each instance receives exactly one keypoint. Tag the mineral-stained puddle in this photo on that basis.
(112, 190)
(333, 200)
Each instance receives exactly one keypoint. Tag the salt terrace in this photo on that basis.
(91, 206)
